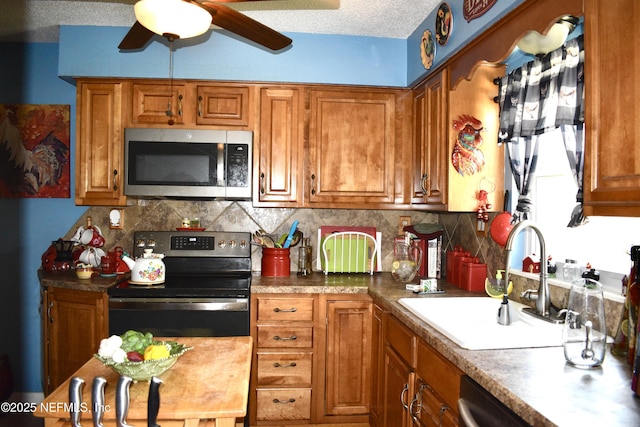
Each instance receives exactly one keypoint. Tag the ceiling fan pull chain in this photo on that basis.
(169, 106)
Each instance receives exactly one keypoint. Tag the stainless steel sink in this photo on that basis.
(471, 323)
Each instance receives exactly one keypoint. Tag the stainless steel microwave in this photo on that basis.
(188, 163)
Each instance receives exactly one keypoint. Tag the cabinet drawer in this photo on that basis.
(439, 373)
(285, 337)
(284, 368)
(285, 309)
(432, 410)
(400, 339)
(283, 404)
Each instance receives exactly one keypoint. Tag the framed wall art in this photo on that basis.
(34, 151)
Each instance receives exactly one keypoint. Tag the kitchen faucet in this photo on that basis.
(541, 296)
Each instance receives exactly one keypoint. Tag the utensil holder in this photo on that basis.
(276, 262)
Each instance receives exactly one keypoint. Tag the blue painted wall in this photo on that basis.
(30, 74)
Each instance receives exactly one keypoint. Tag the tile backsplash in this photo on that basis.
(459, 228)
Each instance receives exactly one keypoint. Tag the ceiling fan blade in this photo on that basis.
(240, 24)
(137, 37)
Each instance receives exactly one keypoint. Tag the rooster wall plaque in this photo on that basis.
(467, 158)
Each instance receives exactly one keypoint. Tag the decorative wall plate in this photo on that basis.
(427, 49)
(444, 24)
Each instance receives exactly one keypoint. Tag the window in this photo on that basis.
(604, 242)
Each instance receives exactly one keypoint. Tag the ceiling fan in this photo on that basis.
(222, 16)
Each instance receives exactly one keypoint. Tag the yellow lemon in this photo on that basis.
(156, 351)
(624, 327)
(494, 291)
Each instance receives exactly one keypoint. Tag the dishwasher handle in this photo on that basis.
(466, 417)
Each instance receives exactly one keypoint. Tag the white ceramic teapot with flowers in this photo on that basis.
(149, 269)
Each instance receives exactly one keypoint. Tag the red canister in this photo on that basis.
(276, 262)
(474, 274)
(452, 257)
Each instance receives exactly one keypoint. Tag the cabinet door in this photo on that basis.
(348, 358)
(397, 391)
(223, 105)
(351, 156)
(76, 322)
(100, 146)
(612, 163)
(431, 142)
(278, 149)
(157, 103)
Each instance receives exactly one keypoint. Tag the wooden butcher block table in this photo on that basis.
(208, 386)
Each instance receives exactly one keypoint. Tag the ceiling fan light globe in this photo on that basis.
(178, 17)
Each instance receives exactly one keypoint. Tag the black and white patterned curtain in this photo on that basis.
(541, 96)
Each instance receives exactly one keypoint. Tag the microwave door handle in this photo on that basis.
(222, 152)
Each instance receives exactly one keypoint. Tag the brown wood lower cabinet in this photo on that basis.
(437, 389)
(74, 322)
(312, 359)
(417, 386)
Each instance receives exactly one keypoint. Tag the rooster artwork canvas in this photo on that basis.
(34, 151)
(467, 157)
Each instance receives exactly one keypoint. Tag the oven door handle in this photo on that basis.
(190, 304)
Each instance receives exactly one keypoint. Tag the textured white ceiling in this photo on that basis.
(39, 20)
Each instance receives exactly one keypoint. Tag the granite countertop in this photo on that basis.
(535, 383)
(69, 280)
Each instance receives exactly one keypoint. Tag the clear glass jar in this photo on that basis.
(570, 270)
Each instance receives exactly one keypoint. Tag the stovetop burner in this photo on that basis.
(198, 264)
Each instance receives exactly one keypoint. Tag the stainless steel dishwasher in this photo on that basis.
(479, 408)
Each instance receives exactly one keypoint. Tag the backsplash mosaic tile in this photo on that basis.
(243, 216)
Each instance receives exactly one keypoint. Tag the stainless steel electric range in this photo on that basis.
(206, 291)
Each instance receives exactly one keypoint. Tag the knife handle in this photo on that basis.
(75, 400)
(153, 405)
(97, 400)
(122, 400)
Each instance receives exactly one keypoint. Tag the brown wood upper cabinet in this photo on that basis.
(278, 148)
(223, 105)
(443, 120)
(430, 107)
(156, 103)
(99, 148)
(612, 164)
(190, 104)
(352, 144)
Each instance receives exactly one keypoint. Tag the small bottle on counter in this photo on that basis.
(305, 253)
(186, 223)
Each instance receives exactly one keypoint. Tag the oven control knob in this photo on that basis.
(233, 243)
(151, 243)
(243, 243)
(140, 243)
(222, 243)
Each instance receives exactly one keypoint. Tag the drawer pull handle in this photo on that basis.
(291, 400)
(291, 338)
(285, 310)
(288, 365)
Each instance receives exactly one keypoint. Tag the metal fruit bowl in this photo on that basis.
(144, 370)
